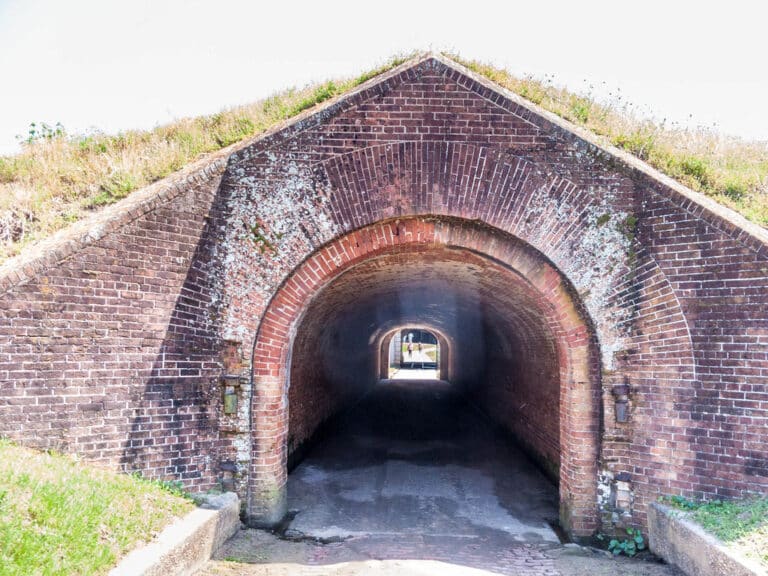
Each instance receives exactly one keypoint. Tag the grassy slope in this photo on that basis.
(59, 179)
(740, 524)
(731, 170)
(60, 517)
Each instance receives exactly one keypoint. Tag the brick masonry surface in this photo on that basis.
(566, 279)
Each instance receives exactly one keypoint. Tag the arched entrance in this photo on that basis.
(528, 355)
(393, 351)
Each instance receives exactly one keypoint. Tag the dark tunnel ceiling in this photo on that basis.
(454, 291)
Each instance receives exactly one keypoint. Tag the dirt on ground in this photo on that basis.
(260, 553)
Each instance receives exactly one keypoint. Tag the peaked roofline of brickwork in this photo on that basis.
(53, 250)
(602, 145)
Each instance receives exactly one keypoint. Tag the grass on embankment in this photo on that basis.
(60, 517)
(739, 524)
(60, 178)
(731, 170)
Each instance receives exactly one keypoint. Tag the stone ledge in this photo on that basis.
(184, 546)
(686, 545)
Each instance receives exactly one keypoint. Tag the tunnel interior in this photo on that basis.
(498, 339)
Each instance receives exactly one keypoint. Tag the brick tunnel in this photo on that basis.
(203, 329)
(498, 336)
(515, 343)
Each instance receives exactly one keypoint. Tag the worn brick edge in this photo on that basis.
(187, 544)
(55, 249)
(717, 560)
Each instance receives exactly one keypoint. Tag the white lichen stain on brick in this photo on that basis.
(279, 215)
(242, 440)
(597, 266)
(615, 498)
(604, 485)
(594, 257)
(276, 218)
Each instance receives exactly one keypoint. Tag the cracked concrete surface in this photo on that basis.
(410, 482)
(414, 458)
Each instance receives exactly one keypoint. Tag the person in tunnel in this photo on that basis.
(410, 350)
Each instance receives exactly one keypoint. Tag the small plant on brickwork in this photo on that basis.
(259, 237)
(603, 219)
(630, 546)
(580, 108)
(680, 502)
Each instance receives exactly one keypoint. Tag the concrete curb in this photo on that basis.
(697, 553)
(184, 546)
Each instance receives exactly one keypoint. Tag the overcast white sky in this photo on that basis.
(115, 64)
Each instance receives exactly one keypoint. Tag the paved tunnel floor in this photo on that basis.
(414, 374)
(415, 482)
(413, 459)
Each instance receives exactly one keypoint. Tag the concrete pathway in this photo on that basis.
(416, 356)
(412, 459)
(415, 482)
(415, 370)
(414, 374)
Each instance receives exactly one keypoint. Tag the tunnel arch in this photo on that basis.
(465, 244)
(381, 340)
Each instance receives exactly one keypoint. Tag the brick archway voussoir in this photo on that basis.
(272, 347)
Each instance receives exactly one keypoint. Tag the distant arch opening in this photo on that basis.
(414, 352)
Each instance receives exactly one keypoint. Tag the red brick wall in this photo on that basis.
(717, 273)
(367, 274)
(433, 141)
(112, 345)
(332, 365)
(521, 390)
(111, 353)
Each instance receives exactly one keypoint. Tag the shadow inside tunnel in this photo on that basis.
(416, 459)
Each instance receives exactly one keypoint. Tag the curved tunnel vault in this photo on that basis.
(519, 347)
(505, 349)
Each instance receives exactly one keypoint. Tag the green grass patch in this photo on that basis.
(58, 516)
(741, 524)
